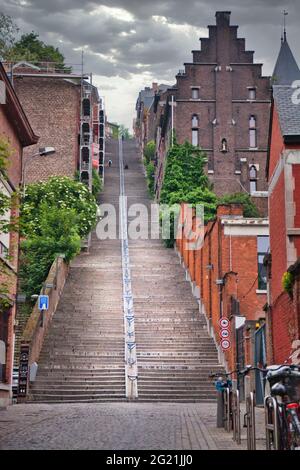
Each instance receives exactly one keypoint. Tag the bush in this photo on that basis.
(96, 184)
(150, 170)
(57, 234)
(185, 181)
(61, 192)
(250, 209)
(149, 151)
(56, 214)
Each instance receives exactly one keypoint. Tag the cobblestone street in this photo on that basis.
(121, 426)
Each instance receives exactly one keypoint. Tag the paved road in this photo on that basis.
(118, 426)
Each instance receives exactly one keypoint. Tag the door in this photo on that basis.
(260, 361)
(240, 360)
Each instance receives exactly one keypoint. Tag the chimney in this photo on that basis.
(223, 18)
(155, 87)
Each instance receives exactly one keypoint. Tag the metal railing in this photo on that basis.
(236, 416)
(271, 423)
(250, 421)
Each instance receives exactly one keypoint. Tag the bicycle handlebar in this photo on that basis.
(249, 368)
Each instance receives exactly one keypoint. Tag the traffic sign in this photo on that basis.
(43, 302)
(225, 343)
(224, 334)
(224, 323)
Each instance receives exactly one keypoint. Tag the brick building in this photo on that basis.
(147, 118)
(14, 128)
(53, 101)
(222, 104)
(283, 171)
(229, 279)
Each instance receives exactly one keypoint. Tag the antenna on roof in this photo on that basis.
(283, 38)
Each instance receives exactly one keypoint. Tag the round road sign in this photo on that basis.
(225, 343)
(224, 334)
(224, 323)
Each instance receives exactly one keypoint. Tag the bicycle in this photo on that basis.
(282, 408)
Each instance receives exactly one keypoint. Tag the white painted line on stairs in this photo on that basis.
(131, 370)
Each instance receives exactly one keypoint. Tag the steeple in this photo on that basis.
(286, 69)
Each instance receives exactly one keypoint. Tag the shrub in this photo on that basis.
(288, 283)
(61, 192)
(250, 209)
(149, 151)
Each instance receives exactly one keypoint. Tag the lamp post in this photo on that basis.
(43, 152)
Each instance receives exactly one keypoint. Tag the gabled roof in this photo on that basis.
(286, 68)
(16, 114)
(288, 112)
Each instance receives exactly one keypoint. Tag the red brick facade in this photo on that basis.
(14, 128)
(227, 94)
(224, 273)
(53, 107)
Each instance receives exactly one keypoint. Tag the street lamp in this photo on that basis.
(43, 152)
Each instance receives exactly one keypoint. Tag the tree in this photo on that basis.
(8, 34)
(250, 209)
(32, 49)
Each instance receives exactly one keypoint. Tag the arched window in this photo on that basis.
(252, 132)
(224, 146)
(253, 178)
(195, 121)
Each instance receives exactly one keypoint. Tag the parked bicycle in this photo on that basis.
(282, 408)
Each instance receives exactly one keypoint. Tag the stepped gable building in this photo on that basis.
(16, 129)
(222, 104)
(283, 172)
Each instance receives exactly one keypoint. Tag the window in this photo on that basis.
(252, 94)
(4, 237)
(263, 247)
(195, 121)
(195, 137)
(253, 179)
(252, 132)
(195, 93)
(224, 146)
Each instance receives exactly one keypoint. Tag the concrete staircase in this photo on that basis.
(175, 354)
(82, 359)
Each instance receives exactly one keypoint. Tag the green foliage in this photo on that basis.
(250, 209)
(61, 192)
(8, 33)
(149, 151)
(185, 181)
(56, 215)
(32, 49)
(97, 183)
(288, 283)
(150, 170)
(57, 234)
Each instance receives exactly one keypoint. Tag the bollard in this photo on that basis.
(220, 410)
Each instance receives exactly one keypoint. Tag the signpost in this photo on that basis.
(43, 302)
(225, 333)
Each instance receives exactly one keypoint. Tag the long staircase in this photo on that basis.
(83, 358)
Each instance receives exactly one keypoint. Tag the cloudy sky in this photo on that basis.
(128, 44)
